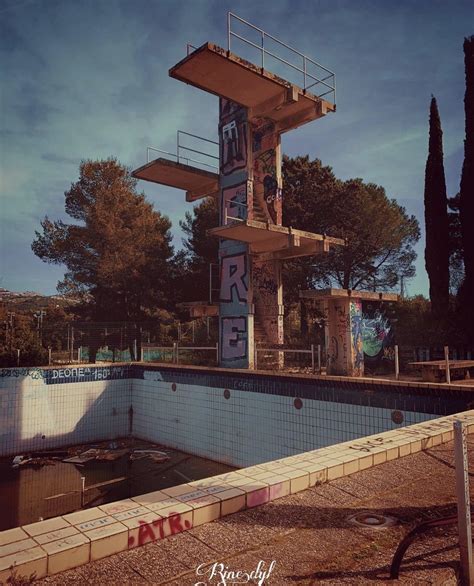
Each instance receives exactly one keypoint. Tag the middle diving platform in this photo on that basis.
(274, 242)
(201, 179)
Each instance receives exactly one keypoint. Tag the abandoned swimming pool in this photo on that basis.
(55, 482)
(229, 418)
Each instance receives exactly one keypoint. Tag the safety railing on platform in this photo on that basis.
(278, 356)
(183, 150)
(313, 74)
(232, 205)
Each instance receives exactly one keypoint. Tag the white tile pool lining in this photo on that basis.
(68, 541)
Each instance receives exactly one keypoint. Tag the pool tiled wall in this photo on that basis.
(233, 417)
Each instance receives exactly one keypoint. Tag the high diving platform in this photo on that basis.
(218, 71)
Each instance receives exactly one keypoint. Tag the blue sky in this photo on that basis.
(89, 79)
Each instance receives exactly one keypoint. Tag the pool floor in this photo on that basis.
(48, 487)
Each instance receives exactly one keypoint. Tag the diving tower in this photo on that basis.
(256, 106)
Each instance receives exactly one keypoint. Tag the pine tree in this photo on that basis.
(436, 218)
(466, 199)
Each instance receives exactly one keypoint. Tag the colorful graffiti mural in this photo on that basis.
(378, 337)
(267, 190)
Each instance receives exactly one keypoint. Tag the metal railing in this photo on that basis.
(310, 80)
(182, 151)
(174, 351)
(229, 205)
(314, 352)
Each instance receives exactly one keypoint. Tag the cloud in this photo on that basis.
(87, 79)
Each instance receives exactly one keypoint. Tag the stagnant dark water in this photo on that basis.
(28, 494)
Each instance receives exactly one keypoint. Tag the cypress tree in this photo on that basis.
(436, 217)
(466, 199)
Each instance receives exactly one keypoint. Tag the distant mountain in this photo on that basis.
(31, 300)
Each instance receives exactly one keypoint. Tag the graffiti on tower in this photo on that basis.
(234, 339)
(233, 137)
(267, 190)
(355, 308)
(234, 279)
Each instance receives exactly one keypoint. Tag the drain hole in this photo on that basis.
(371, 519)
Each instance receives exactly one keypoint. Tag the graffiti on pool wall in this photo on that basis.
(234, 338)
(157, 529)
(233, 139)
(234, 278)
(234, 202)
(356, 334)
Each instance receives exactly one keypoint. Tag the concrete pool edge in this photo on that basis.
(356, 381)
(65, 542)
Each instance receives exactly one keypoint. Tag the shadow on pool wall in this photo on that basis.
(51, 408)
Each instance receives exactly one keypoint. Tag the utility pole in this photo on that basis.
(39, 326)
(11, 327)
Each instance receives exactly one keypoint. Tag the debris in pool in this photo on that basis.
(17, 460)
(31, 461)
(80, 460)
(154, 455)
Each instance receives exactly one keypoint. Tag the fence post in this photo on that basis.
(312, 358)
(83, 489)
(18, 356)
(193, 329)
(397, 364)
(79, 354)
(446, 358)
(255, 359)
(217, 353)
(49, 355)
(319, 358)
(464, 510)
(177, 352)
(141, 354)
(71, 356)
(135, 349)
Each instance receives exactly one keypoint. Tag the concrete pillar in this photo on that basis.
(345, 355)
(251, 291)
(235, 308)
